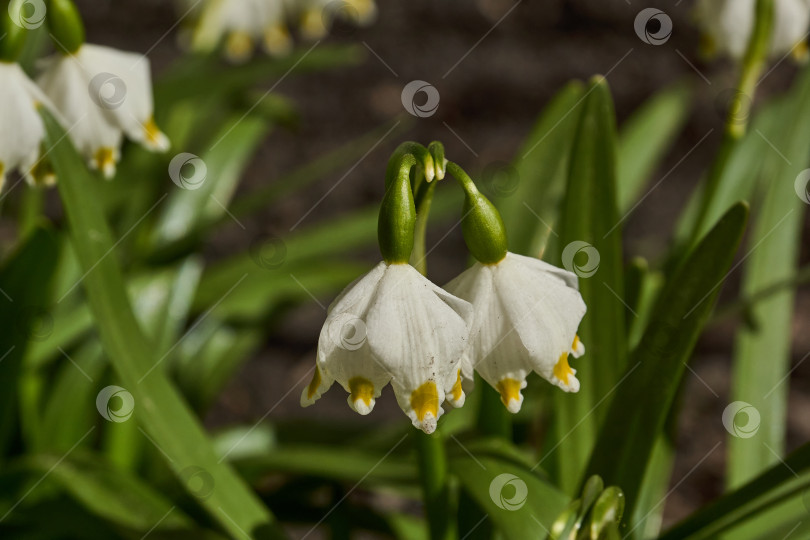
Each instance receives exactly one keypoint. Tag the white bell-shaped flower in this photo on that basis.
(23, 130)
(241, 24)
(526, 318)
(103, 94)
(394, 325)
(727, 26)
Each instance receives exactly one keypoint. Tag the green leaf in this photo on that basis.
(590, 228)
(529, 193)
(24, 293)
(208, 181)
(644, 139)
(520, 504)
(770, 489)
(645, 393)
(159, 408)
(762, 355)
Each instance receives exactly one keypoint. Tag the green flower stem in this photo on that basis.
(66, 26)
(739, 109)
(397, 220)
(431, 454)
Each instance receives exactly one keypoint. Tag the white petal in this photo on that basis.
(18, 98)
(419, 333)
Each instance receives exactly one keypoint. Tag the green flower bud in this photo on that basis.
(14, 30)
(481, 223)
(66, 26)
(397, 221)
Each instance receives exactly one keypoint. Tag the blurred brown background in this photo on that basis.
(507, 60)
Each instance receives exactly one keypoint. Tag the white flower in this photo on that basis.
(23, 130)
(317, 15)
(394, 325)
(102, 94)
(242, 23)
(727, 26)
(526, 318)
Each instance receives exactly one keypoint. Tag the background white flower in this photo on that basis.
(103, 94)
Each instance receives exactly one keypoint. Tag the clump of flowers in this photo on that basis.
(239, 26)
(99, 94)
(505, 317)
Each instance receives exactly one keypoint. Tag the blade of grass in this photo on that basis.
(160, 410)
(590, 216)
(762, 355)
(638, 413)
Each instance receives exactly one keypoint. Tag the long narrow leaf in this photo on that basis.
(160, 410)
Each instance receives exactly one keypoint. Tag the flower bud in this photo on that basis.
(481, 223)
(66, 26)
(395, 226)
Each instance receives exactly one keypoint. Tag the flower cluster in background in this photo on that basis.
(727, 26)
(240, 25)
(98, 94)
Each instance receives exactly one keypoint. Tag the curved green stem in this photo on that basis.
(740, 107)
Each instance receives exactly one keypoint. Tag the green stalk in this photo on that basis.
(740, 107)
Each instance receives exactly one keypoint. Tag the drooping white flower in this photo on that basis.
(103, 94)
(526, 318)
(316, 16)
(23, 130)
(727, 26)
(394, 325)
(242, 24)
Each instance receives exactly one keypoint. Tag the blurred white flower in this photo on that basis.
(241, 24)
(394, 325)
(23, 130)
(102, 94)
(727, 26)
(526, 318)
(316, 16)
